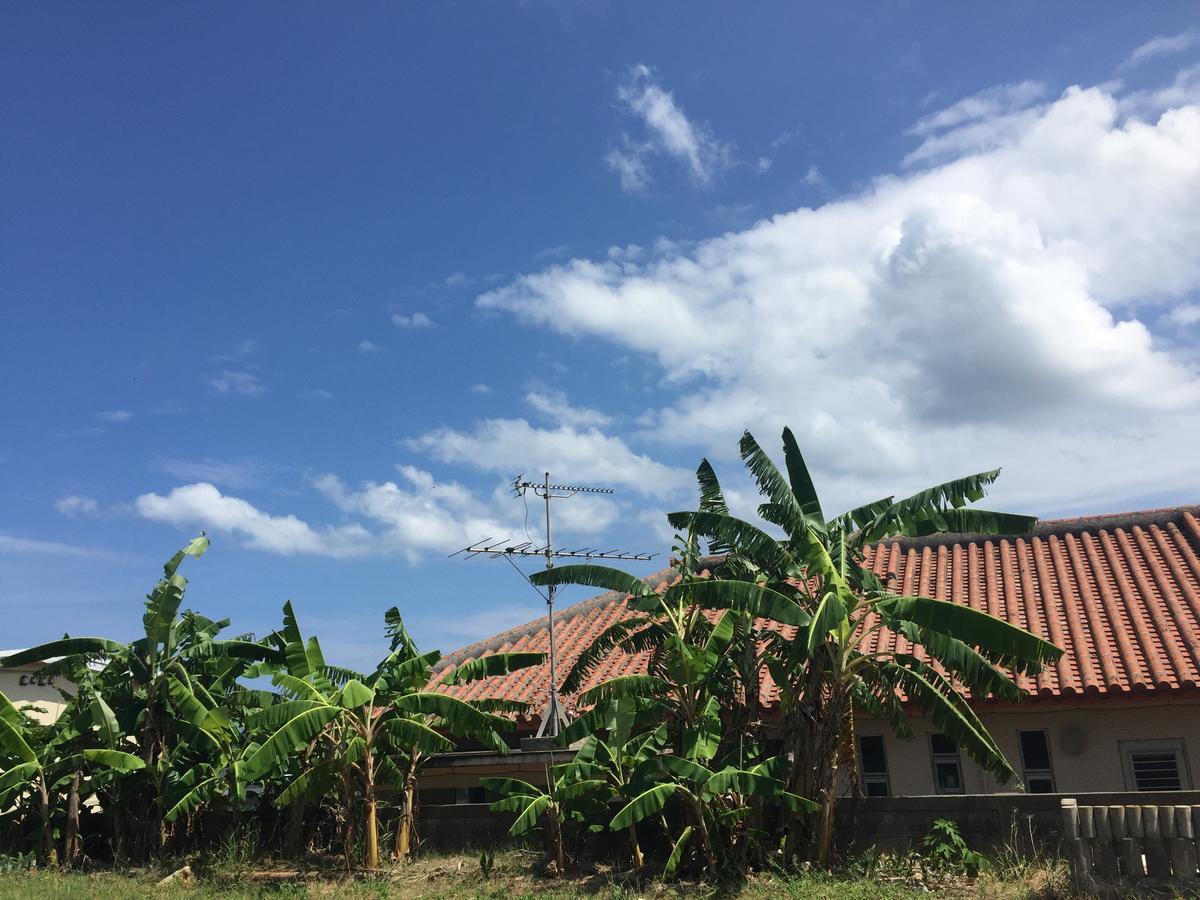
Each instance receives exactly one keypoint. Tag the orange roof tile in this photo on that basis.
(1120, 594)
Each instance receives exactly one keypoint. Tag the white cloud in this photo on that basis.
(1163, 45)
(555, 406)
(369, 347)
(234, 475)
(1184, 90)
(457, 279)
(669, 131)
(73, 505)
(986, 104)
(202, 505)
(416, 320)
(509, 446)
(981, 121)
(241, 382)
(982, 311)
(316, 394)
(10, 545)
(1185, 315)
(413, 517)
(631, 165)
(480, 388)
(115, 415)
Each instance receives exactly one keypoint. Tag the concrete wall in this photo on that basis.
(21, 686)
(1021, 821)
(1097, 767)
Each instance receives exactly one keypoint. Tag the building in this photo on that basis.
(1119, 712)
(24, 686)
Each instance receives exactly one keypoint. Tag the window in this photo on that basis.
(1155, 765)
(947, 766)
(470, 795)
(872, 760)
(1035, 760)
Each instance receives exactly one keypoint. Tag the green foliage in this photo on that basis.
(166, 734)
(487, 861)
(804, 608)
(945, 850)
(177, 738)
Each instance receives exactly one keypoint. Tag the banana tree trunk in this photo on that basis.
(372, 811)
(839, 716)
(556, 841)
(372, 825)
(405, 831)
(293, 840)
(295, 830)
(710, 858)
(72, 850)
(638, 861)
(49, 851)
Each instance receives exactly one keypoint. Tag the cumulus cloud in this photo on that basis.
(203, 505)
(73, 505)
(1163, 45)
(411, 517)
(481, 388)
(1185, 315)
(415, 320)
(369, 347)
(985, 309)
(580, 454)
(669, 132)
(555, 406)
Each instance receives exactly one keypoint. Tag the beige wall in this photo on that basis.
(21, 686)
(1097, 768)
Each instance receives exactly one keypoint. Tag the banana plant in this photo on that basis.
(826, 667)
(715, 801)
(689, 667)
(568, 796)
(616, 760)
(373, 725)
(140, 671)
(41, 761)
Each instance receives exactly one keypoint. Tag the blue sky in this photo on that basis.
(321, 282)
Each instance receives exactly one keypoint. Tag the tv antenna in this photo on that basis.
(554, 718)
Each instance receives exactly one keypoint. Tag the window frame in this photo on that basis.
(1155, 745)
(865, 778)
(955, 757)
(1028, 773)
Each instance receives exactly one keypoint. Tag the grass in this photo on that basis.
(512, 878)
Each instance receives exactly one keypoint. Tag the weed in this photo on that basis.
(945, 850)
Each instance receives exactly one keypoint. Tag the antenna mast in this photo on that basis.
(554, 718)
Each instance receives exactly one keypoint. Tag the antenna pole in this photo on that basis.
(554, 714)
(554, 718)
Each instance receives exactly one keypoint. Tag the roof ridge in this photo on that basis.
(1053, 527)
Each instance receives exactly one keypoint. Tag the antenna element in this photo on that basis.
(554, 718)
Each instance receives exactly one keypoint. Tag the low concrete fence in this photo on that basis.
(1026, 823)
(1132, 844)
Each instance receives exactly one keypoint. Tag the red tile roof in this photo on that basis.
(1120, 594)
